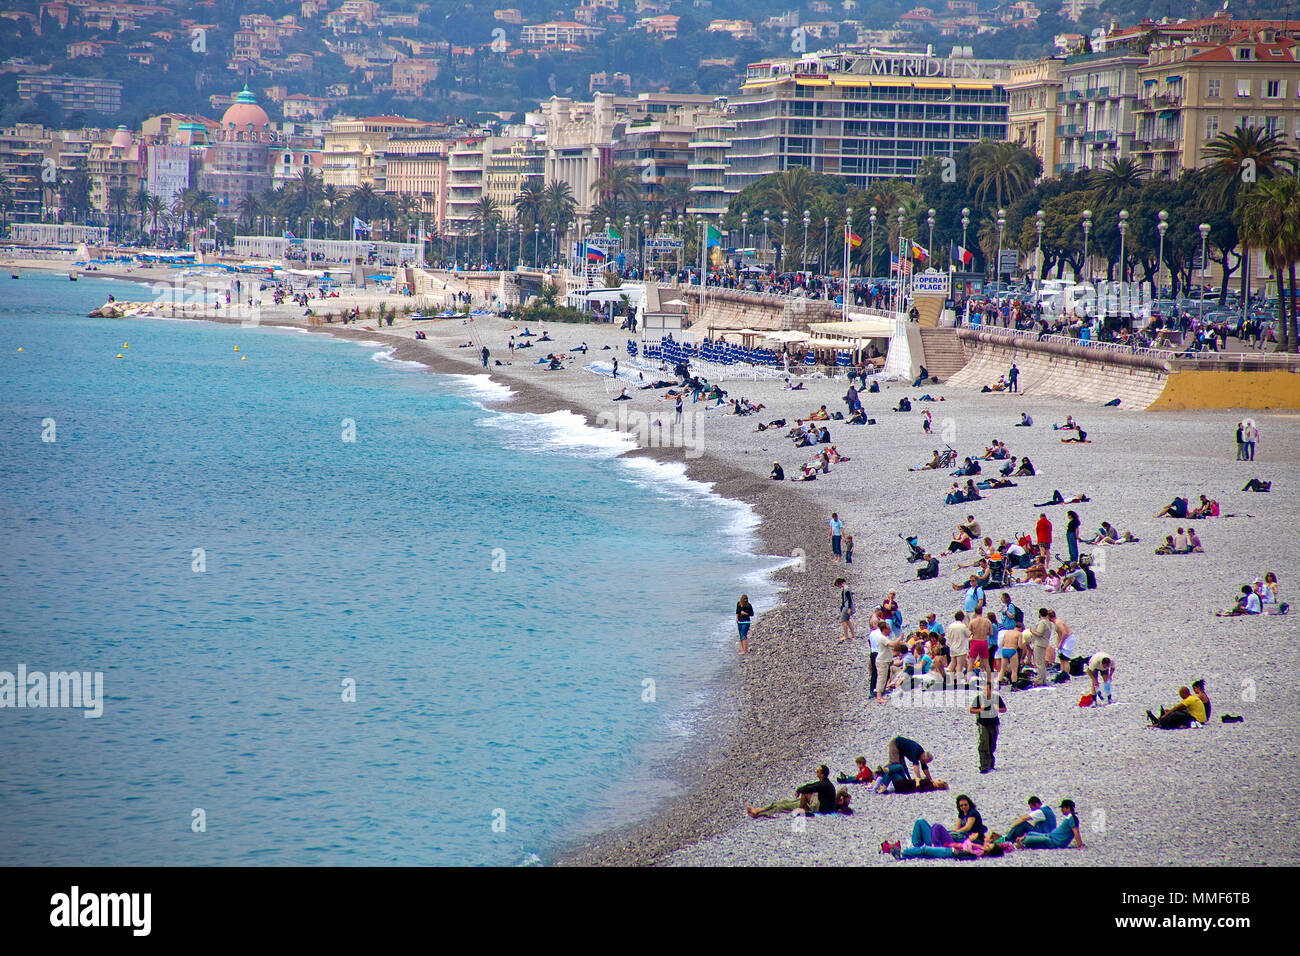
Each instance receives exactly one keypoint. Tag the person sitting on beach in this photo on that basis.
(864, 774)
(859, 418)
(623, 396)
(1175, 509)
(972, 494)
(792, 387)
(1036, 573)
(1006, 470)
(555, 364)
(931, 569)
(960, 542)
(955, 495)
(904, 404)
(1189, 709)
(1248, 603)
(1025, 421)
(931, 464)
(1208, 508)
(969, 467)
(1106, 534)
(824, 436)
(819, 796)
(835, 456)
(996, 452)
(1039, 819)
(1080, 437)
(1066, 832)
(1068, 426)
(778, 473)
(820, 415)
(1026, 468)
(808, 475)
(1181, 544)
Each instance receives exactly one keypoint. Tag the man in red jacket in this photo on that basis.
(1043, 530)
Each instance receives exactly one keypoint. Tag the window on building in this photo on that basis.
(1213, 89)
(1211, 127)
(1243, 87)
(1273, 124)
(1244, 53)
(1274, 89)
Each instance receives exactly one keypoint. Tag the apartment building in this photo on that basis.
(711, 188)
(1032, 102)
(1211, 81)
(416, 165)
(354, 149)
(1097, 98)
(864, 116)
(23, 151)
(85, 94)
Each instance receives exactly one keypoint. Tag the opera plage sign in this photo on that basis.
(930, 283)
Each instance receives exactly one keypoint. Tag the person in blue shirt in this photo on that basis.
(1039, 819)
(1066, 832)
(974, 595)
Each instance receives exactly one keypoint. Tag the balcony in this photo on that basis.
(1067, 129)
(1163, 145)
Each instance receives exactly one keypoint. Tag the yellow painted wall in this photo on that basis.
(1194, 390)
(930, 307)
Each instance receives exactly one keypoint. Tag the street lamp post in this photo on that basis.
(930, 240)
(744, 230)
(765, 248)
(997, 268)
(871, 249)
(1087, 224)
(1204, 229)
(1123, 229)
(826, 232)
(846, 285)
(965, 221)
(496, 246)
(536, 231)
(898, 295)
(1038, 271)
(1161, 227)
(803, 263)
(785, 225)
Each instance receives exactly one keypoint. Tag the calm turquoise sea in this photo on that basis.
(526, 621)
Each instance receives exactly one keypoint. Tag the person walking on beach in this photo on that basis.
(836, 534)
(1064, 647)
(744, 615)
(485, 356)
(958, 638)
(986, 708)
(1251, 435)
(616, 376)
(677, 410)
(1043, 532)
(1013, 378)
(846, 610)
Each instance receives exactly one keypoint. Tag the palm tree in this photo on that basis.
(674, 196)
(620, 182)
(1117, 177)
(156, 209)
(1005, 169)
(530, 203)
(6, 203)
(331, 195)
(364, 201)
(140, 203)
(790, 191)
(1248, 154)
(119, 198)
(1245, 155)
(559, 204)
(250, 207)
(483, 217)
(1269, 213)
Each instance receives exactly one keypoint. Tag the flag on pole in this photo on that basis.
(614, 233)
(851, 237)
(959, 254)
(595, 255)
(359, 226)
(289, 235)
(893, 262)
(713, 237)
(919, 251)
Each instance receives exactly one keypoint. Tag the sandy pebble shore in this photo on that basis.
(1223, 794)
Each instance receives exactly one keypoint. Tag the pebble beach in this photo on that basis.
(1222, 794)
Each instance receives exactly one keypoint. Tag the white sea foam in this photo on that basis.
(559, 431)
(290, 328)
(386, 357)
(482, 388)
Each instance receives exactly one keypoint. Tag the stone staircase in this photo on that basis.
(942, 353)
